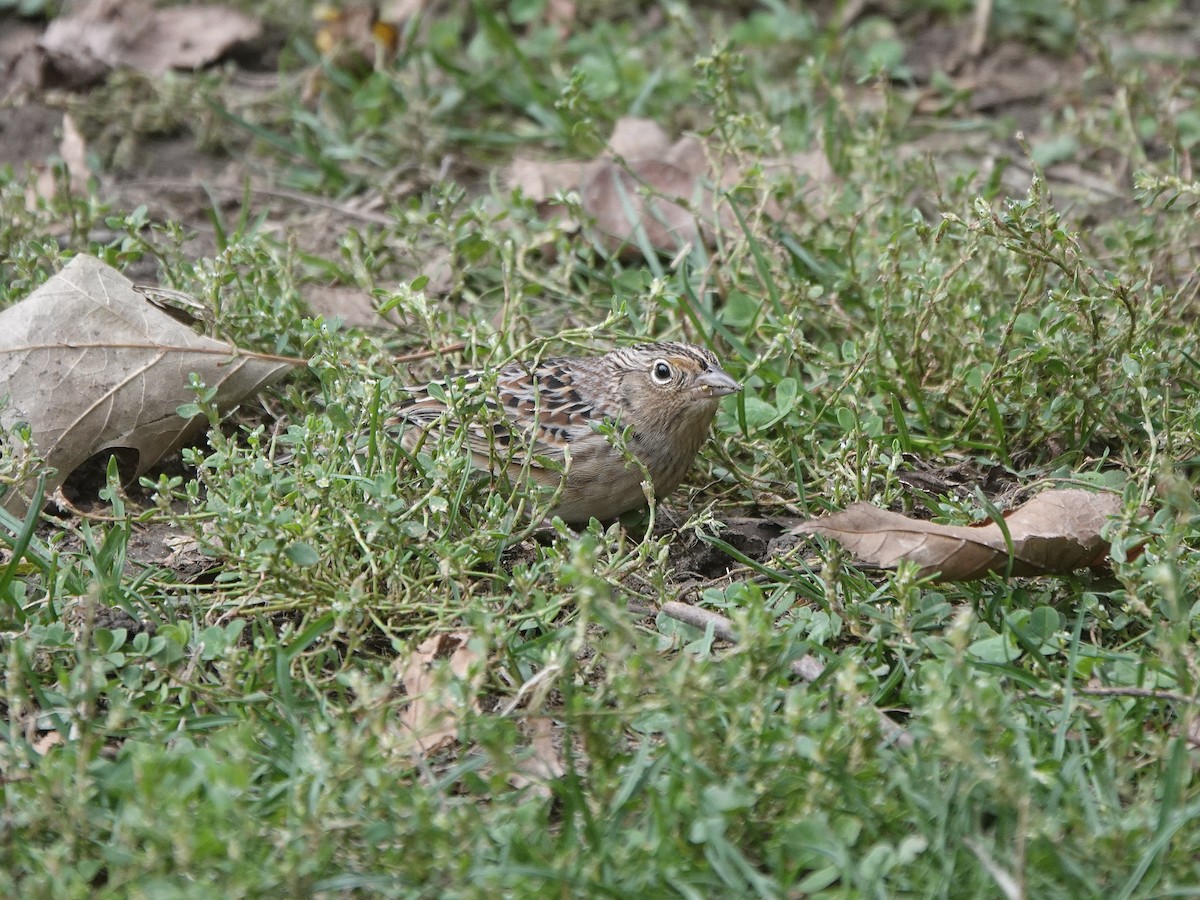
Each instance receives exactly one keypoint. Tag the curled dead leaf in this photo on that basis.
(100, 35)
(646, 193)
(73, 151)
(637, 138)
(47, 741)
(430, 721)
(88, 365)
(540, 180)
(544, 762)
(1055, 533)
(646, 201)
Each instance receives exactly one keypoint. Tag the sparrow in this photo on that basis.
(546, 414)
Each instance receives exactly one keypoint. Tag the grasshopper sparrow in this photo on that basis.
(666, 395)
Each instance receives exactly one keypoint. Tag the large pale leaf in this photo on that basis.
(1056, 532)
(90, 365)
(96, 36)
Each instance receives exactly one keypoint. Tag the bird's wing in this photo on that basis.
(547, 405)
(543, 411)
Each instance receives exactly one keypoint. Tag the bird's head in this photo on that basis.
(670, 384)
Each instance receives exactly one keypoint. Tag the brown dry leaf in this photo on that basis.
(1055, 533)
(73, 149)
(539, 180)
(430, 721)
(637, 138)
(642, 197)
(100, 35)
(645, 192)
(21, 60)
(43, 188)
(46, 741)
(657, 188)
(89, 365)
(544, 764)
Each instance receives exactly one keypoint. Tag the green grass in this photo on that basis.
(241, 733)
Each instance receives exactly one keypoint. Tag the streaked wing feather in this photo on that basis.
(550, 399)
(550, 428)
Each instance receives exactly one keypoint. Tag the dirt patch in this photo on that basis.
(755, 538)
(961, 480)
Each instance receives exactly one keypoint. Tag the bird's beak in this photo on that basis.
(716, 383)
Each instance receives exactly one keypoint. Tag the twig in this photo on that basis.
(1009, 886)
(302, 199)
(701, 618)
(850, 13)
(1146, 693)
(806, 668)
(979, 29)
(425, 354)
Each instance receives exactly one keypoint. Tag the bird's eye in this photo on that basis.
(661, 373)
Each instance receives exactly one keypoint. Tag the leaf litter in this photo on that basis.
(88, 364)
(441, 677)
(647, 193)
(627, 178)
(101, 35)
(1055, 533)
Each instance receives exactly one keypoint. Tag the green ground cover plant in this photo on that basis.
(993, 290)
